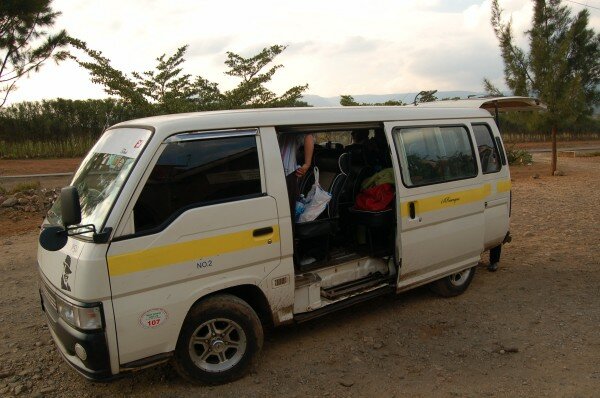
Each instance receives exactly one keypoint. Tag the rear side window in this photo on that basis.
(198, 173)
(436, 154)
(488, 152)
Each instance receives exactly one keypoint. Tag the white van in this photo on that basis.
(175, 240)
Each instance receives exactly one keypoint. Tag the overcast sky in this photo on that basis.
(337, 47)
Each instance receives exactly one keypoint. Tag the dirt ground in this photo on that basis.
(530, 329)
(38, 166)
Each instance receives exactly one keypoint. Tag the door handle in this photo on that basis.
(262, 231)
(411, 210)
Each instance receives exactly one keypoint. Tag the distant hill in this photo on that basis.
(317, 100)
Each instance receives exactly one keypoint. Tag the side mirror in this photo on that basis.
(53, 238)
(69, 206)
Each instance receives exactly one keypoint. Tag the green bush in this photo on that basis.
(26, 186)
(518, 156)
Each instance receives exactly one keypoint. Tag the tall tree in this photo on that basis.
(25, 42)
(251, 91)
(166, 89)
(562, 66)
(348, 100)
(426, 96)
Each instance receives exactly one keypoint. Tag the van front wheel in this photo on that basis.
(455, 284)
(219, 341)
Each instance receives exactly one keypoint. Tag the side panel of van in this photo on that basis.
(182, 250)
(440, 197)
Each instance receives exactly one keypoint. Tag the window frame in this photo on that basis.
(494, 143)
(191, 137)
(500, 144)
(403, 159)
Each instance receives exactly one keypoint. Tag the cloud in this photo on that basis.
(350, 46)
(209, 46)
(454, 6)
(337, 46)
(457, 66)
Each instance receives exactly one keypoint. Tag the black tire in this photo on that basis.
(453, 285)
(216, 358)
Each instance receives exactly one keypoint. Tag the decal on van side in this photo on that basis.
(162, 256)
(446, 200)
(64, 279)
(503, 186)
(153, 318)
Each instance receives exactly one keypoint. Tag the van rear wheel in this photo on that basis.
(219, 341)
(455, 284)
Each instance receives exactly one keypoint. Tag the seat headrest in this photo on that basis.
(327, 161)
(334, 145)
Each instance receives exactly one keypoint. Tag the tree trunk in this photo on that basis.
(554, 155)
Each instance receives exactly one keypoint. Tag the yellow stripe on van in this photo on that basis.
(446, 200)
(503, 186)
(156, 257)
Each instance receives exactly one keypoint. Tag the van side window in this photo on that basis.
(488, 152)
(436, 154)
(197, 173)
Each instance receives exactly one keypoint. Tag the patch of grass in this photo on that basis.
(3, 190)
(588, 154)
(518, 156)
(546, 137)
(70, 148)
(25, 186)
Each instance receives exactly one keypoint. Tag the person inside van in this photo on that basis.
(357, 147)
(289, 144)
(377, 151)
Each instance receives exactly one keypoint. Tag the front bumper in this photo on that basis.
(97, 364)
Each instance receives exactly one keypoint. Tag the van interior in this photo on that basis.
(349, 248)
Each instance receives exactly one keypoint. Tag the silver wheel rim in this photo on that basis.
(217, 345)
(459, 278)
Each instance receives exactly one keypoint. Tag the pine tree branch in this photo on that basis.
(8, 90)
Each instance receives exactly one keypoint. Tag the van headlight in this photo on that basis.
(87, 318)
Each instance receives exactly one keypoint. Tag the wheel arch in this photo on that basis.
(251, 294)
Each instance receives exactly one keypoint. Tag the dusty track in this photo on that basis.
(530, 329)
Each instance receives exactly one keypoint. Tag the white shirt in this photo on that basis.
(288, 146)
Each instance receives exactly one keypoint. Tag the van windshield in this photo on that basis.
(102, 174)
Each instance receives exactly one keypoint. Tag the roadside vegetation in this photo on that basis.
(589, 155)
(29, 149)
(518, 156)
(22, 187)
(513, 137)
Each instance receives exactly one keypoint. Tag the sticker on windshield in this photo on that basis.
(124, 142)
(153, 318)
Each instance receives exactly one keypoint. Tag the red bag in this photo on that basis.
(376, 198)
